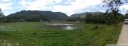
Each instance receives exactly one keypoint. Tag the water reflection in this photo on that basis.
(63, 26)
(68, 28)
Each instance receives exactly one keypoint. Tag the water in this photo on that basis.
(69, 28)
(62, 25)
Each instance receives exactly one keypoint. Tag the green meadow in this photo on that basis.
(40, 34)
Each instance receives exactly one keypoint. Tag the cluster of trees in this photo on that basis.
(34, 16)
(111, 16)
(104, 18)
(2, 17)
(76, 19)
(81, 16)
(126, 15)
(113, 10)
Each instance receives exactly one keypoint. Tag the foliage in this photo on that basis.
(103, 18)
(2, 17)
(81, 16)
(36, 16)
(126, 16)
(75, 19)
(113, 6)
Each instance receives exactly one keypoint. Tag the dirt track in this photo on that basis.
(123, 38)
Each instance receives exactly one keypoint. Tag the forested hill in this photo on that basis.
(83, 15)
(37, 16)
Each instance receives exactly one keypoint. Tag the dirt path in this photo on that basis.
(123, 38)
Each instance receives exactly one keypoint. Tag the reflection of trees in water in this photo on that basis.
(69, 28)
(62, 26)
(2, 28)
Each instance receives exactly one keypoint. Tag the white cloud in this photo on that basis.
(76, 6)
(57, 1)
(36, 5)
(5, 5)
(66, 6)
(72, 8)
(124, 8)
(5, 0)
(66, 9)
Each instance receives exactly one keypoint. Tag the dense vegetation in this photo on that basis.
(35, 16)
(99, 17)
(126, 15)
(104, 18)
(39, 34)
(83, 15)
(113, 8)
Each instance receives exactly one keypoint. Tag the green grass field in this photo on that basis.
(39, 34)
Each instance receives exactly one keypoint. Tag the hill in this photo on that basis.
(37, 16)
(83, 15)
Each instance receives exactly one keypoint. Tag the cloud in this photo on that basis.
(5, 0)
(124, 8)
(77, 6)
(5, 5)
(34, 5)
(67, 6)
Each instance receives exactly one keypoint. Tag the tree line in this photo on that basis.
(104, 18)
(33, 16)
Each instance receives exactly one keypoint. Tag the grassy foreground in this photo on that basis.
(38, 34)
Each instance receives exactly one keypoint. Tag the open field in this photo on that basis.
(39, 34)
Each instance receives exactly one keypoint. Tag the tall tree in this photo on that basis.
(2, 17)
(0, 12)
(113, 6)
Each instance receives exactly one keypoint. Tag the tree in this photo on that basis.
(2, 17)
(113, 6)
(1, 13)
(103, 18)
(126, 16)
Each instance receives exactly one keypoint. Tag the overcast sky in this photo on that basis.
(66, 6)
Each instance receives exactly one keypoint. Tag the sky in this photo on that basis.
(66, 6)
